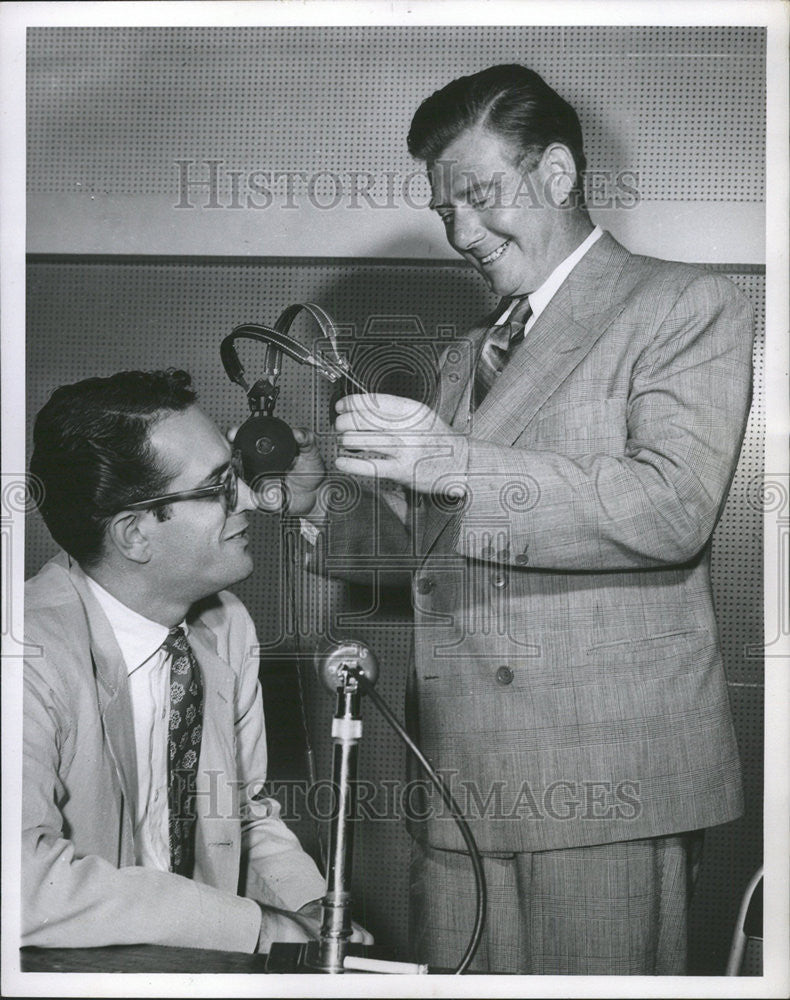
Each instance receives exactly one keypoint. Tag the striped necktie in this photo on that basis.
(184, 735)
(498, 345)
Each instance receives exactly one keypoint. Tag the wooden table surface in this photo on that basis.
(156, 958)
(139, 958)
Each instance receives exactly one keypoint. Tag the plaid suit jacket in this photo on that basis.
(567, 673)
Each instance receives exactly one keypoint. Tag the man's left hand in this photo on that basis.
(403, 440)
(314, 913)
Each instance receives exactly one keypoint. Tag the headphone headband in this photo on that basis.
(278, 343)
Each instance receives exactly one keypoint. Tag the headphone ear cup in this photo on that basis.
(267, 447)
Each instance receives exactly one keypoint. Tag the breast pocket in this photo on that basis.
(582, 428)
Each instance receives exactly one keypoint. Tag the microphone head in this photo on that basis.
(330, 660)
(267, 446)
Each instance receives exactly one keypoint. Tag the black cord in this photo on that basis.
(477, 864)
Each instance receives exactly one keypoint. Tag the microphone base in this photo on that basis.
(291, 958)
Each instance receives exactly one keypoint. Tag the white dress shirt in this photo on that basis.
(148, 668)
(541, 297)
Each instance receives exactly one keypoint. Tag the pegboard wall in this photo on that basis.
(91, 317)
(112, 110)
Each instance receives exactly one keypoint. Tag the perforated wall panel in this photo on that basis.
(97, 316)
(737, 544)
(112, 110)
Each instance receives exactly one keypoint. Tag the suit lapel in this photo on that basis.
(456, 374)
(217, 752)
(112, 691)
(555, 346)
(572, 323)
(456, 381)
(217, 841)
(218, 721)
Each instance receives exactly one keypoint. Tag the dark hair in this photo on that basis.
(92, 454)
(511, 100)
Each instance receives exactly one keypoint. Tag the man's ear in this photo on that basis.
(127, 533)
(558, 172)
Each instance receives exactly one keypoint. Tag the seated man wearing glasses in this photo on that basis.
(144, 741)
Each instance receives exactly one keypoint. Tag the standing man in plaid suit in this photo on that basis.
(565, 489)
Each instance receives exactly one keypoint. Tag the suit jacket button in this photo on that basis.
(424, 585)
(498, 580)
(521, 559)
(504, 675)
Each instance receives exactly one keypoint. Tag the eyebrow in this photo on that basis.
(214, 476)
(474, 189)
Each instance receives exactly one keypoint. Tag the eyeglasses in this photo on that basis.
(228, 489)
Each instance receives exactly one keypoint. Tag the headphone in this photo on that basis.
(266, 443)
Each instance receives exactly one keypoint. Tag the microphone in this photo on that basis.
(331, 660)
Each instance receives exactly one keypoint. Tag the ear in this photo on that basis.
(558, 172)
(127, 533)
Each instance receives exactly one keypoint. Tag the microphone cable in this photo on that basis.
(438, 782)
(436, 779)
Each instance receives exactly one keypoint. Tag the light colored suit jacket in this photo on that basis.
(567, 675)
(80, 885)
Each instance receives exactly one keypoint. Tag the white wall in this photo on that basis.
(675, 114)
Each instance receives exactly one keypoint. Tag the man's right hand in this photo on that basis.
(303, 480)
(281, 925)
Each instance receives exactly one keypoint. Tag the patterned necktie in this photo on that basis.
(498, 345)
(186, 723)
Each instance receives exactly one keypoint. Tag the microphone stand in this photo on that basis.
(340, 670)
(343, 669)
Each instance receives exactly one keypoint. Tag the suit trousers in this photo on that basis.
(609, 909)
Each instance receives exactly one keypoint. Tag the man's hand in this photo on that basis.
(402, 440)
(282, 925)
(304, 478)
(299, 926)
(358, 934)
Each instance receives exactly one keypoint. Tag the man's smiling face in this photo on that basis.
(497, 215)
(202, 546)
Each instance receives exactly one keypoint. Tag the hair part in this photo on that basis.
(511, 101)
(92, 452)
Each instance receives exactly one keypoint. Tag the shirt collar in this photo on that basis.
(541, 297)
(138, 637)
